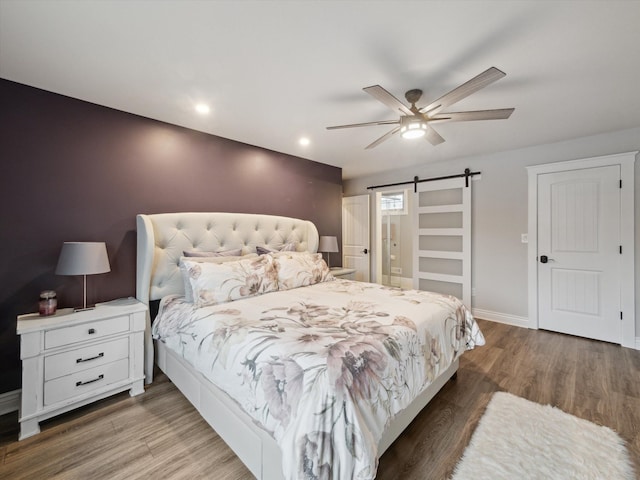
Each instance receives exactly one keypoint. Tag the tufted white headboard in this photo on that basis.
(163, 237)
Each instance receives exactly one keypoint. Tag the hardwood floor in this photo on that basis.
(159, 434)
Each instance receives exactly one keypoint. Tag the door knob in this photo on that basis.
(365, 251)
(545, 259)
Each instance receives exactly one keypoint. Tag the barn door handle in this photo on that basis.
(365, 251)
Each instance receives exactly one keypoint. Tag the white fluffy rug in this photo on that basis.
(519, 439)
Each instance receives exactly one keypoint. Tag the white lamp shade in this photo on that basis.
(83, 258)
(328, 244)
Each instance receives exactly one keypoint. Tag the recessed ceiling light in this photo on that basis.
(202, 108)
(304, 141)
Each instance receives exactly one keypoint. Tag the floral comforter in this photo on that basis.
(322, 368)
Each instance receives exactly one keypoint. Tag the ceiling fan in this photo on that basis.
(416, 122)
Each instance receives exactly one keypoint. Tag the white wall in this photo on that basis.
(499, 215)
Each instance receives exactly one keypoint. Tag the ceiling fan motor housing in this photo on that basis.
(413, 96)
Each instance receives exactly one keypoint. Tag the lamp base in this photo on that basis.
(84, 297)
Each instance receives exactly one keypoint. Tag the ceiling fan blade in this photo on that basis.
(476, 83)
(386, 136)
(380, 94)
(497, 114)
(368, 124)
(433, 137)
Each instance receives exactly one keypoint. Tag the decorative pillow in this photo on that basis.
(290, 254)
(214, 283)
(299, 269)
(188, 291)
(236, 252)
(263, 250)
(287, 247)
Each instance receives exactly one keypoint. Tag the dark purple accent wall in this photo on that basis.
(76, 171)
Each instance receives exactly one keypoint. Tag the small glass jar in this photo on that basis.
(48, 303)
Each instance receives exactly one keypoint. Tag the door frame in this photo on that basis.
(626, 162)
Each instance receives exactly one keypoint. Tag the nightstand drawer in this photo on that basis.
(84, 358)
(80, 383)
(85, 331)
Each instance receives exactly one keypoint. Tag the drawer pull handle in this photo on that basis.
(92, 331)
(100, 377)
(80, 360)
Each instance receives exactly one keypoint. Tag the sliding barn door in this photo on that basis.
(442, 246)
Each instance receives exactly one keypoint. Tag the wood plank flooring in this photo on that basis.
(159, 435)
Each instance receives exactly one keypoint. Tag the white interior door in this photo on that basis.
(355, 235)
(579, 252)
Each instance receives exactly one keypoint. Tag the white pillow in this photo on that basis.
(214, 283)
(188, 291)
(299, 269)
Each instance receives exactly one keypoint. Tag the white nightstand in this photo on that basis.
(347, 273)
(74, 358)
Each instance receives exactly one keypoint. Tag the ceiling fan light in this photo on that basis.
(414, 130)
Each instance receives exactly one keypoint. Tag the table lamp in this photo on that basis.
(83, 258)
(328, 244)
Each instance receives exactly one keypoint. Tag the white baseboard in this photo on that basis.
(506, 318)
(9, 401)
(514, 320)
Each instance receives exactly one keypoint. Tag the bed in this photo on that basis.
(328, 409)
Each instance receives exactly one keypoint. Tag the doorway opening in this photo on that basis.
(394, 238)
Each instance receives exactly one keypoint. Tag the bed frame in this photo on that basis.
(161, 240)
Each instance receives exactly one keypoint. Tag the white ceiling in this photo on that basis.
(273, 71)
